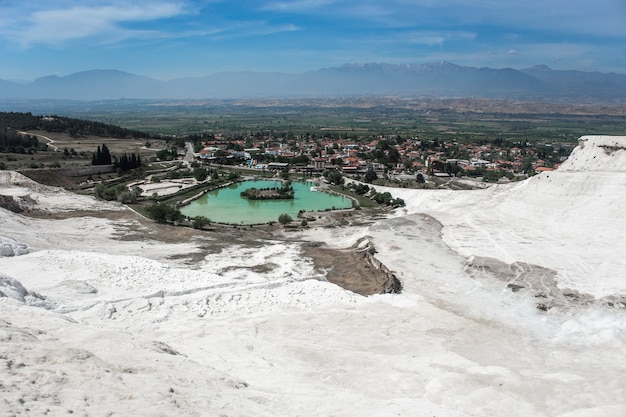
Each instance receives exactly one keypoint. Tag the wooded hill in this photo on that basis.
(12, 121)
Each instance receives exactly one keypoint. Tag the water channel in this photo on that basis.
(225, 205)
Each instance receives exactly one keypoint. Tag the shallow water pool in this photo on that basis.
(225, 205)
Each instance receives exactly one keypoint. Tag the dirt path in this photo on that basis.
(50, 141)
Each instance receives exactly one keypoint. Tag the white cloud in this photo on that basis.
(297, 6)
(55, 25)
(565, 17)
(246, 29)
(433, 38)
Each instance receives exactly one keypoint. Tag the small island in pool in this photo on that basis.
(285, 192)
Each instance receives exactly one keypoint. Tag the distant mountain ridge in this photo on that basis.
(440, 79)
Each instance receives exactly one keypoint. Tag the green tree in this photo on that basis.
(162, 213)
(383, 198)
(361, 189)
(200, 174)
(96, 157)
(200, 221)
(106, 156)
(102, 156)
(370, 176)
(129, 196)
(334, 177)
(337, 161)
(284, 218)
(492, 176)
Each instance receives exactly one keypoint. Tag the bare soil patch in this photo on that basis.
(347, 269)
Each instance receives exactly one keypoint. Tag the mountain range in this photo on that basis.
(440, 79)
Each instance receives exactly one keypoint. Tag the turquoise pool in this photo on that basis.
(225, 205)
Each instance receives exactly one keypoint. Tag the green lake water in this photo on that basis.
(225, 205)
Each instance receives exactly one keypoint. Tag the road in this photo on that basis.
(50, 141)
(189, 155)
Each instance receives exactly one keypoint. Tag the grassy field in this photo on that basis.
(56, 157)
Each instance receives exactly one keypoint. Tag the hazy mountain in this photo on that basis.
(579, 84)
(8, 89)
(435, 79)
(94, 85)
(432, 79)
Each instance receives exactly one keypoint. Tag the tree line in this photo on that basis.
(126, 162)
(102, 156)
(73, 127)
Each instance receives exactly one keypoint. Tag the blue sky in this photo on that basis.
(166, 39)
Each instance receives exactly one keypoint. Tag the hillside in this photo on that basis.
(513, 304)
(440, 79)
(16, 121)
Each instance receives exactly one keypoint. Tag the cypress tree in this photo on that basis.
(106, 156)
(97, 157)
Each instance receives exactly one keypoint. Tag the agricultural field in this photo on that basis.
(427, 119)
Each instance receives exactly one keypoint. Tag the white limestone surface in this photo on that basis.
(91, 325)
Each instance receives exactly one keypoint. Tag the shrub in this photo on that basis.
(370, 176)
(284, 218)
(200, 221)
(334, 177)
(361, 189)
(200, 174)
(129, 196)
(162, 213)
(119, 192)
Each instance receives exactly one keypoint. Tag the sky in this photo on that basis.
(166, 39)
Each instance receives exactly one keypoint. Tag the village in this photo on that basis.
(387, 157)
